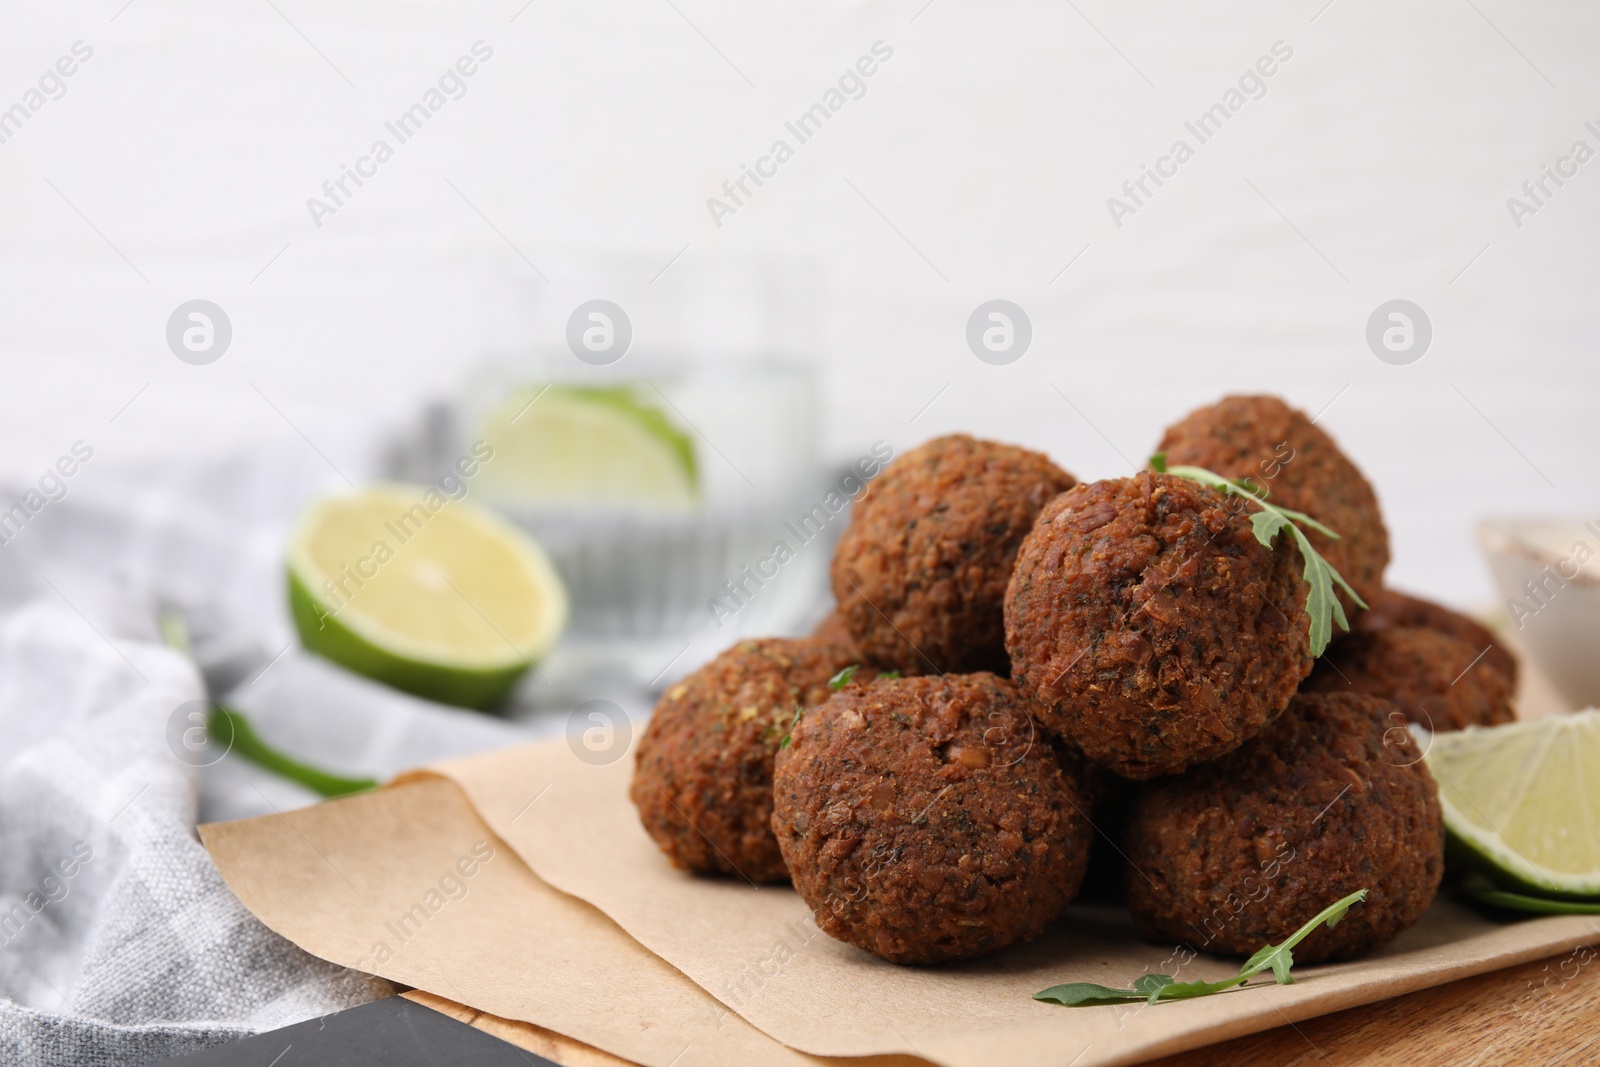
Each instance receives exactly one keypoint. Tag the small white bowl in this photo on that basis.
(1548, 570)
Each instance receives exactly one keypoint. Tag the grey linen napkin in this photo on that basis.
(119, 942)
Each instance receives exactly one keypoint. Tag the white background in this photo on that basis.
(1377, 166)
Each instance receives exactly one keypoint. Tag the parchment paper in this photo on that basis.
(380, 883)
(757, 950)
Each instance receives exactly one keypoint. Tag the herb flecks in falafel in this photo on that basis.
(1330, 799)
(703, 777)
(924, 822)
(920, 573)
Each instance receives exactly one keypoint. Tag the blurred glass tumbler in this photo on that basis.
(651, 494)
(653, 425)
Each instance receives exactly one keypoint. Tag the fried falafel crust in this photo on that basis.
(920, 573)
(1240, 853)
(1393, 608)
(1280, 450)
(1436, 680)
(834, 629)
(702, 779)
(924, 820)
(1150, 625)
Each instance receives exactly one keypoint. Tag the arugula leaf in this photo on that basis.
(844, 677)
(1087, 995)
(888, 676)
(1322, 603)
(1154, 987)
(1152, 982)
(1266, 525)
(1303, 519)
(1281, 957)
(788, 737)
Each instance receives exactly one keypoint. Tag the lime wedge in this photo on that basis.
(572, 446)
(427, 594)
(1477, 887)
(1522, 802)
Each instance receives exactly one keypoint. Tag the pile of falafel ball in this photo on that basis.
(1102, 689)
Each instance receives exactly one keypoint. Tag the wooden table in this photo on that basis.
(1539, 1013)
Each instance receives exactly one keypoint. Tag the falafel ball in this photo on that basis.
(1276, 447)
(1151, 626)
(702, 778)
(1436, 680)
(834, 629)
(924, 821)
(1242, 852)
(921, 571)
(1398, 609)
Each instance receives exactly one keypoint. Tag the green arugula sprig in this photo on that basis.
(1154, 986)
(1321, 603)
(784, 741)
(836, 683)
(848, 675)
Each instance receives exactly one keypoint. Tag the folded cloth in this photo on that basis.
(119, 942)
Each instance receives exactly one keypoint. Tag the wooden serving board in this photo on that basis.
(1541, 1012)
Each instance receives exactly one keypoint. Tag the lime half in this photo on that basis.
(1522, 801)
(572, 446)
(422, 592)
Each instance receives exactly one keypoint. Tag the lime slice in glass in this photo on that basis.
(1522, 802)
(579, 447)
(428, 594)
